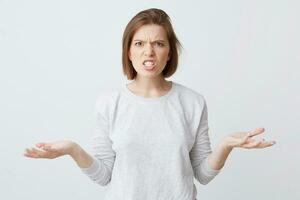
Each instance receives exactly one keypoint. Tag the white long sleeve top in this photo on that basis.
(151, 148)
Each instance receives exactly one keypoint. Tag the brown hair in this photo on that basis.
(145, 17)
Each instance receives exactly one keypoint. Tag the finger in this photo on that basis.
(39, 153)
(256, 131)
(250, 140)
(243, 140)
(44, 146)
(26, 153)
(247, 137)
(252, 145)
(260, 144)
(40, 144)
(30, 153)
(47, 147)
(266, 144)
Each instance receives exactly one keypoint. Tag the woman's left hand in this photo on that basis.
(245, 140)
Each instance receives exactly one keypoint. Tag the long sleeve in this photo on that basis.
(101, 168)
(151, 147)
(200, 151)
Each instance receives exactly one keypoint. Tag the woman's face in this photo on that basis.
(149, 50)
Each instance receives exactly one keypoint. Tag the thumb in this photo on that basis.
(246, 137)
(40, 144)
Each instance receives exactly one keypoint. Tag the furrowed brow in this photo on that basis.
(162, 41)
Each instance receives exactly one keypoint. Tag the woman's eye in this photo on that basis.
(138, 43)
(159, 44)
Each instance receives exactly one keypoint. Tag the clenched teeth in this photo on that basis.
(148, 63)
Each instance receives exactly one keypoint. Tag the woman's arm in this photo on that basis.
(218, 157)
(60, 148)
(81, 157)
(98, 168)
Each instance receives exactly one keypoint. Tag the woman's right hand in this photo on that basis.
(51, 150)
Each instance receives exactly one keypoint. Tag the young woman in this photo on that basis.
(151, 137)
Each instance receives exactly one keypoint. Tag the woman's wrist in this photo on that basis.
(82, 158)
(225, 144)
(219, 155)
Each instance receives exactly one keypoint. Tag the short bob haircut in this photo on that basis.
(145, 17)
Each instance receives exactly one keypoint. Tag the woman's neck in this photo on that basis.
(150, 87)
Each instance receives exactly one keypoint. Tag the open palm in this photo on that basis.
(50, 150)
(245, 140)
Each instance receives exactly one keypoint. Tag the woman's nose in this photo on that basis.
(148, 50)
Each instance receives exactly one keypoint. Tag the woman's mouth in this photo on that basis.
(149, 65)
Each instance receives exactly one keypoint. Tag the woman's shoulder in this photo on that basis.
(107, 96)
(189, 93)
(106, 100)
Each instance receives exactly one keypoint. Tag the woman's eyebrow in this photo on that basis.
(159, 40)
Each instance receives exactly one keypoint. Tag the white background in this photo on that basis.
(56, 56)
